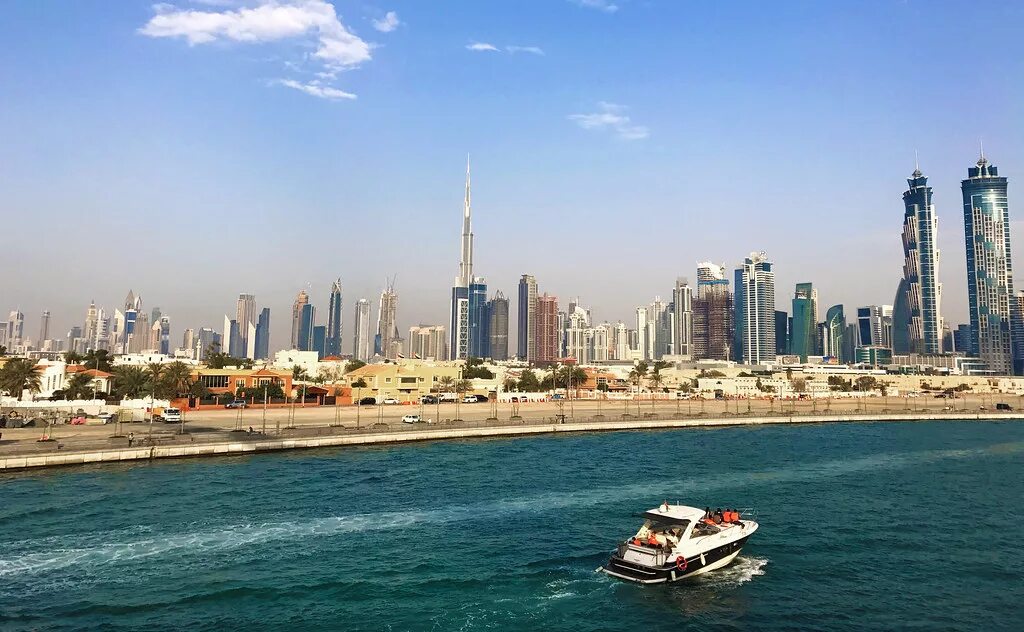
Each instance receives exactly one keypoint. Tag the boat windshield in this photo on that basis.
(660, 533)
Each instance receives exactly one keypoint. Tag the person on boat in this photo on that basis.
(719, 518)
(652, 539)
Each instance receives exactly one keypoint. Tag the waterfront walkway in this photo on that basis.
(154, 441)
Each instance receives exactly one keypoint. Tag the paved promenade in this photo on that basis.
(221, 432)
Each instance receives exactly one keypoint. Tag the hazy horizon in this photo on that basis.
(194, 151)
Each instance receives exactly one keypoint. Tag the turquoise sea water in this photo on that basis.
(863, 526)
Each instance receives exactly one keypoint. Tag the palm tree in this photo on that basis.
(73, 357)
(446, 384)
(463, 385)
(20, 375)
(79, 386)
(130, 381)
(98, 359)
(179, 376)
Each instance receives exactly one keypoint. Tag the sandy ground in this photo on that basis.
(220, 425)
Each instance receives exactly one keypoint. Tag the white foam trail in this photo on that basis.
(741, 571)
(99, 549)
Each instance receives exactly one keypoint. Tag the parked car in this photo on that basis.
(428, 399)
(236, 403)
(106, 416)
(368, 401)
(1003, 406)
(390, 401)
(469, 399)
(415, 419)
(172, 415)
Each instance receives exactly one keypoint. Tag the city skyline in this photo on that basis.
(552, 162)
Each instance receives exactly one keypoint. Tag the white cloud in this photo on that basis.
(315, 21)
(317, 90)
(533, 50)
(270, 21)
(600, 5)
(388, 23)
(482, 46)
(611, 117)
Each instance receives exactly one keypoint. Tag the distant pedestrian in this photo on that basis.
(131, 439)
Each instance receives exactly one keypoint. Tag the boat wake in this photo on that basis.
(741, 571)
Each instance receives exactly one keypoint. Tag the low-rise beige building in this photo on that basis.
(406, 381)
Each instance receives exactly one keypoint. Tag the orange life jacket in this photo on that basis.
(652, 539)
(637, 542)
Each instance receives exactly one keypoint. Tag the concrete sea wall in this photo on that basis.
(19, 462)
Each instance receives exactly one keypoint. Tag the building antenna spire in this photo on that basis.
(917, 165)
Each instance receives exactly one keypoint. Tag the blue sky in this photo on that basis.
(194, 150)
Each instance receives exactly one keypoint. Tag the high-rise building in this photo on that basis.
(15, 328)
(163, 340)
(921, 266)
(262, 336)
(833, 338)
(332, 344)
(245, 315)
(91, 317)
(479, 320)
(387, 324)
(498, 310)
(361, 331)
(44, 328)
(301, 300)
(428, 342)
(526, 343)
(206, 338)
(781, 333)
(990, 269)
(874, 326)
(319, 340)
(307, 321)
(643, 333)
(901, 319)
(803, 340)
(962, 339)
(460, 309)
(755, 309)
(682, 313)
(547, 329)
(713, 322)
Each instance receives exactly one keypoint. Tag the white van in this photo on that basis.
(171, 415)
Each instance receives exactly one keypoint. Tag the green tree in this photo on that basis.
(73, 357)
(98, 359)
(528, 382)
(299, 374)
(19, 375)
(268, 390)
(866, 383)
(710, 374)
(836, 383)
(638, 374)
(353, 365)
(446, 384)
(178, 377)
(3, 350)
(79, 386)
(656, 379)
(476, 369)
(360, 383)
(198, 390)
(462, 386)
(130, 381)
(509, 384)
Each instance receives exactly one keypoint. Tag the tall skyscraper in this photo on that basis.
(163, 335)
(307, 321)
(460, 308)
(834, 334)
(781, 333)
(874, 326)
(91, 318)
(44, 329)
(990, 268)
(387, 324)
(682, 310)
(713, 322)
(245, 315)
(498, 310)
(132, 311)
(332, 343)
(526, 343)
(319, 340)
(921, 266)
(803, 340)
(361, 331)
(547, 329)
(755, 309)
(188, 341)
(15, 328)
(479, 320)
(301, 300)
(901, 319)
(262, 344)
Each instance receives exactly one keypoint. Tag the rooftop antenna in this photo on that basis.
(917, 165)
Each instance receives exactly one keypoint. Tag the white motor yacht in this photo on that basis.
(677, 541)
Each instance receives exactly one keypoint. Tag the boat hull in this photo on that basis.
(709, 560)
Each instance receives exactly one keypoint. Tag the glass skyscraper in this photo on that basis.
(755, 309)
(332, 334)
(803, 339)
(921, 266)
(990, 293)
(479, 320)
